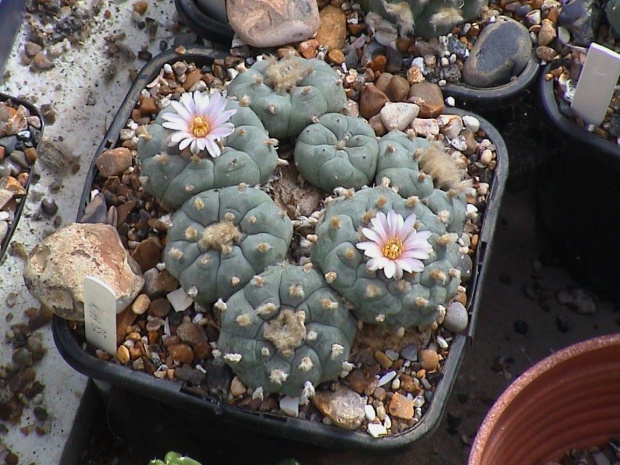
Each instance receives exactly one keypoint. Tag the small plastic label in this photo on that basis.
(100, 314)
(596, 84)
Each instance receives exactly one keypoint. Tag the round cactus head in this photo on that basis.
(176, 164)
(392, 258)
(220, 238)
(287, 94)
(286, 331)
(337, 151)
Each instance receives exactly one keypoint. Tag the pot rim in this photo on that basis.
(522, 382)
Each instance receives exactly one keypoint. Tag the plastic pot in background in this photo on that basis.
(207, 18)
(578, 197)
(18, 142)
(569, 400)
(189, 408)
(492, 99)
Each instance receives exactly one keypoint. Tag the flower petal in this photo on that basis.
(176, 126)
(179, 136)
(371, 249)
(221, 118)
(389, 268)
(379, 223)
(392, 224)
(373, 236)
(377, 263)
(408, 227)
(184, 143)
(212, 148)
(414, 253)
(222, 131)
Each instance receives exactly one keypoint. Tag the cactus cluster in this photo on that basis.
(337, 151)
(286, 331)
(425, 19)
(221, 238)
(415, 299)
(248, 156)
(287, 94)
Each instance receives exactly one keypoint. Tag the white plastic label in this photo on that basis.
(596, 84)
(100, 314)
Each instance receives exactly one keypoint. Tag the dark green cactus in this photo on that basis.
(221, 238)
(173, 458)
(417, 297)
(286, 331)
(248, 156)
(287, 94)
(425, 19)
(337, 151)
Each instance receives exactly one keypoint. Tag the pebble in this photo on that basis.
(398, 116)
(372, 101)
(410, 353)
(383, 359)
(41, 62)
(181, 353)
(428, 97)
(377, 430)
(397, 89)
(344, 407)
(456, 318)
(141, 304)
(578, 300)
(237, 388)
(369, 412)
(179, 300)
(429, 359)
(114, 162)
(547, 33)
(332, 31)
(387, 378)
(425, 127)
(192, 333)
(290, 405)
(401, 407)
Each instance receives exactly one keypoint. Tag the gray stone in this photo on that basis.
(577, 299)
(502, 51)
(270, 23)
(55, 269)
(582, 18)
(344, 407)
(4, 230)
(456, 318)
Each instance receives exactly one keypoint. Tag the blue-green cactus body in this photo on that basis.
(286, 331)
(412, 300)
(221, 238)
(287, 94)
(337, 151)
(248, 156)
(425, 18)
(173, 458)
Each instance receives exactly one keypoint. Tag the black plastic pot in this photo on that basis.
(207, 18)
(578, 197)
(194, 409)
(36, 135)
(495, 98)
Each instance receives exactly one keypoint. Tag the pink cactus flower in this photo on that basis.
(199, 122)
(394, 245)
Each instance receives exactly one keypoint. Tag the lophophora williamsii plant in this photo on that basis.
(383, 251)
(425, 18)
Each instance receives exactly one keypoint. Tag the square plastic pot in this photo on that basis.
(35, 138)
(185, 403)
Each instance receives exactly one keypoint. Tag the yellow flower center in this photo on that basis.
(199, 127)
(393, 248)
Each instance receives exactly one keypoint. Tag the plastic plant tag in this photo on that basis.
(100, 314)
(596, 84)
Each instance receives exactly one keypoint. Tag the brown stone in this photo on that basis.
(428, 97)
(335, 56)
(12, 184)
(333, 29)
(41, 62)
(31, 154)
(123, 320)
(271, 23)
(5, 197)
(372, 101)
(32, 49)
(546, 53)
(147, 254)
(181, 353)
(191, 333)
(344, 407)
(401, 407)
(123, 211)
(2, 151)
(356, 29)
(114, 162)
(160, 307)
(408, 384)
(148, 106)
(202, 350)
(55, 268)
(378, 63)
(397, 89)
(166, 282)
(429, 359)
(383, 82)
(377, 125)
(307, 48)
(361, 383)
(140, 7)
(383, 359)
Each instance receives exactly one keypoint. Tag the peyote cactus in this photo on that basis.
(416, 167)
(221, 238)
(173, 458)
(286, 331)
(401, 276)
(425, 19)
(248, 155)
(287, 94)
(337, 151)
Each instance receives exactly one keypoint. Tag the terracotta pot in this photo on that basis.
(568, 400)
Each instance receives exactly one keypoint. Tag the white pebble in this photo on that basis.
(369, 412)
(179, 300)
(450, 101)
(441, 82)
(486, 156)
(386, 378)
(387, 422)
(290, 405)
(471, 209)
(395, 384)
(441, 342)
(419, 401)
(563, 35)
(444, 62)
(377, 430)
(471, 122)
